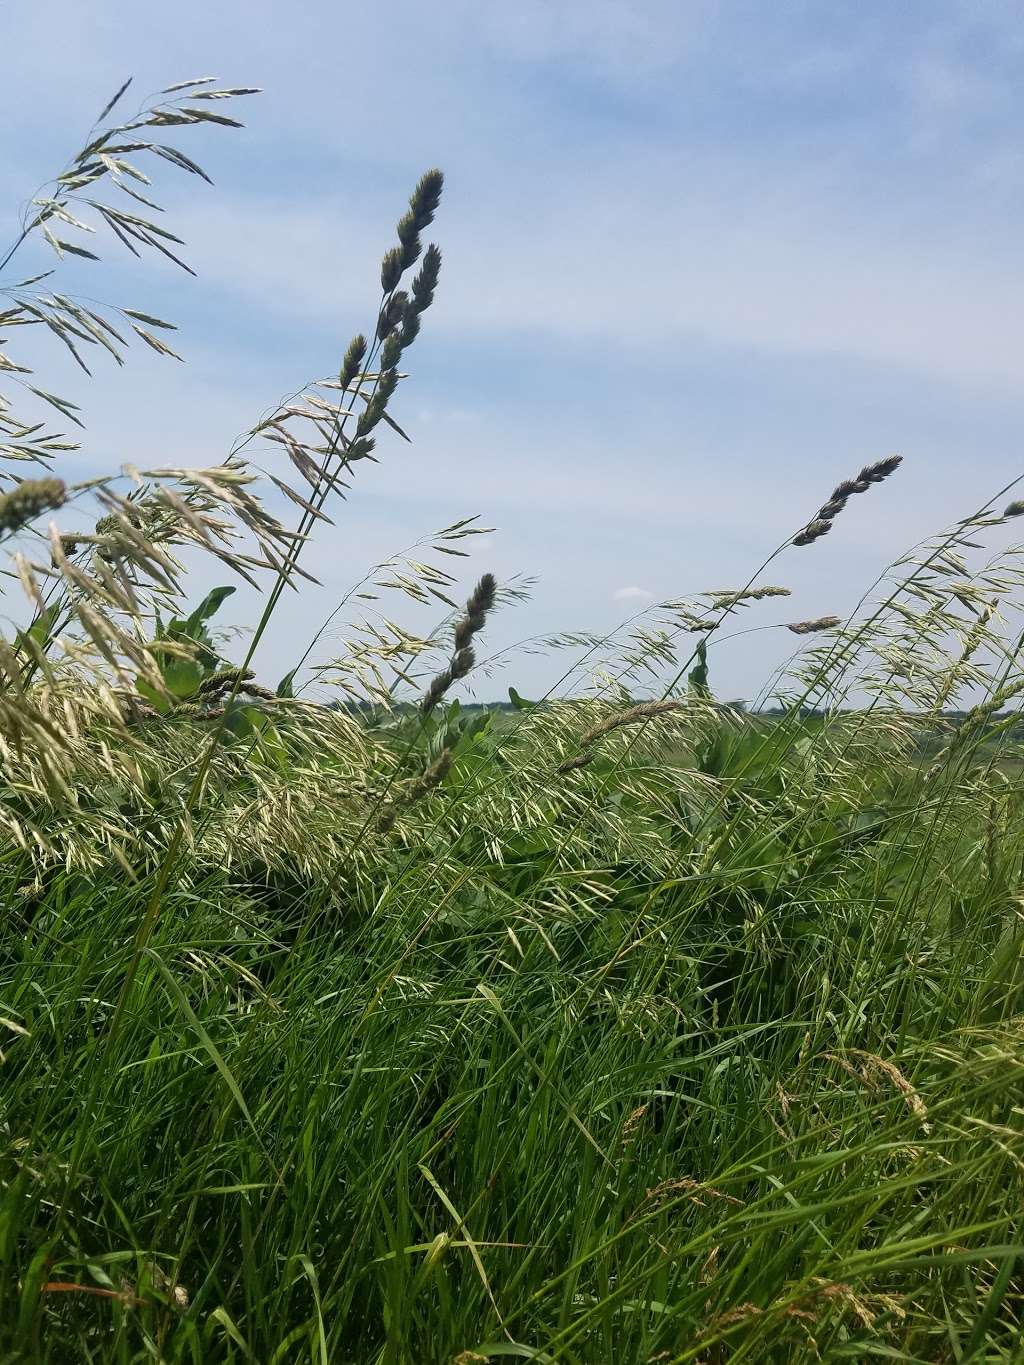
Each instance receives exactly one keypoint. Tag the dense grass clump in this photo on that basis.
(616, 1025)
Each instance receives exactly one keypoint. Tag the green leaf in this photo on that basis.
(182, 677)
(39, 631)
(151, 695)
(520, 703)
(207, 607)
(698, 675)
(286, 687)
(31, 1286)
(478, 726)
(182, 1001)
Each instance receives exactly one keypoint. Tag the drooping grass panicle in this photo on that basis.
(643, 710)
(69, 212)
(630, 715)
(974, 723)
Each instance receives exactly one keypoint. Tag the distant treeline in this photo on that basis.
(952, 718)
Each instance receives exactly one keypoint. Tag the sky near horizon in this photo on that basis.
(701, 262)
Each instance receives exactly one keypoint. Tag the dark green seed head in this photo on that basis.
(391, 269)
(354, 357)
(28, 499)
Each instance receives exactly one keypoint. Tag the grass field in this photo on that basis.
(620, 1025)
(697, 1063)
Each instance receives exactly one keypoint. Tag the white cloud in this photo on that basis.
(786, 239)
(784, 262)
(631, 594)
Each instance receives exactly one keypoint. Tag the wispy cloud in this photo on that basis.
(789, 267)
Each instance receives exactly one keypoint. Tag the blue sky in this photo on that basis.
(702, 260)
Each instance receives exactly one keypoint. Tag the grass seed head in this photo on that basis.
(28, 499)
(881, 469)
(809, 627)
(422, 207)
(352, 363)
(813, 531)
(871, 473)
(477, 607)
(424, 200)
(463, 661)
(391, 351)
(391, 314)
(479, 603)
(391, 269)
(425, 281)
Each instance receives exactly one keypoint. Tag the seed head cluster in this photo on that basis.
(234, 680)
(821, 523)
(463, 657)
(398, 322)
(399, 319)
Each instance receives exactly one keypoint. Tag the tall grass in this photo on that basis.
(619, 1026)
